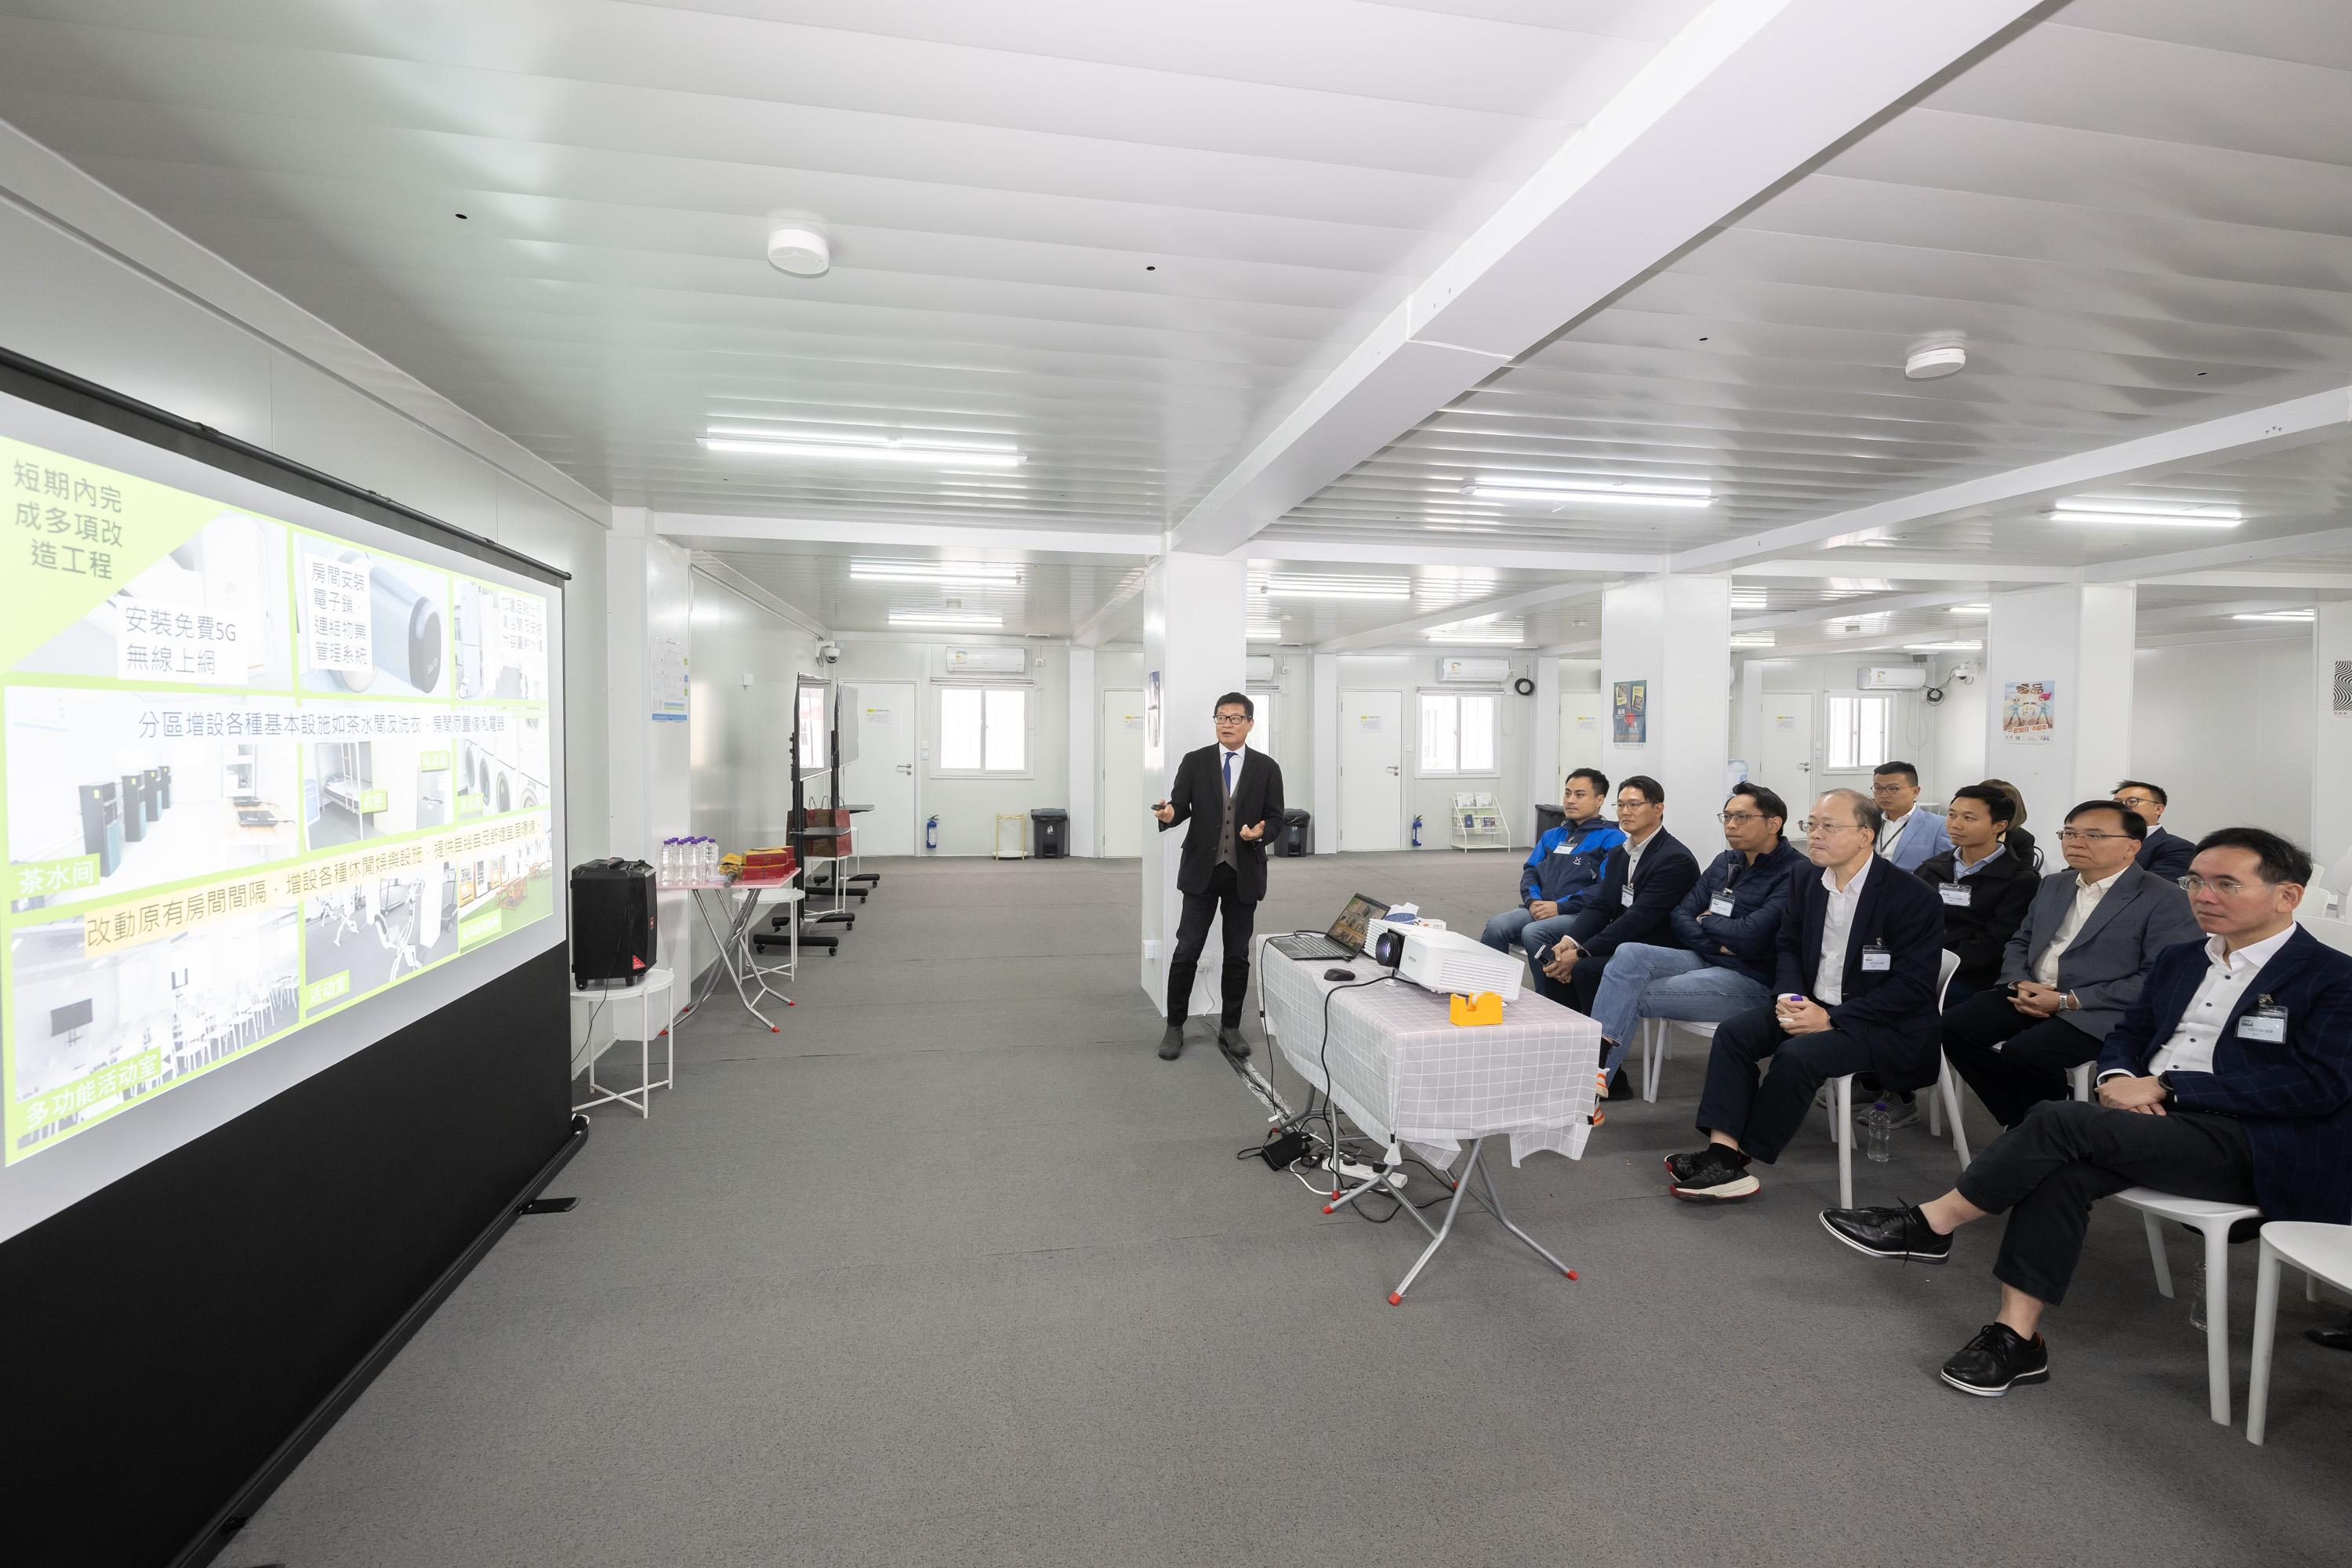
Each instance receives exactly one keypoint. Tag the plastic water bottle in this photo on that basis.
(669, 860)
(2197, 1296)
(1878, 1129)
(710, 860)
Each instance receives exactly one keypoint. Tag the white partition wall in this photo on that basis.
(2058, 708)
(1194, 651)
(1672, 636)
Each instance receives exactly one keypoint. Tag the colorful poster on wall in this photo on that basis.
(1629, 713)
(2028, 713)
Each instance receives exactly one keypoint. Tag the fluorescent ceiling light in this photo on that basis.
(1943, 647)
(932, 454)
(2097, 511)
(971, 574)
(1302, 585)
(1265, 631)
(1752, 639)
(962, 620)
(1971, 610)
(1562, 494)
(2304, 617)
(1485, 629)
(1742, 599)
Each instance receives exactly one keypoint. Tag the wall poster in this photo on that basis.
(2028, 713)
(1629, 713)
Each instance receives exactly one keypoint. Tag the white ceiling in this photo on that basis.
(1134, 244)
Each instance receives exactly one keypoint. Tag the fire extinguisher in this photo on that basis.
(1416, 833)
(931, 833)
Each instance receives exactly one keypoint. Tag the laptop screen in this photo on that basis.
(1355, 921)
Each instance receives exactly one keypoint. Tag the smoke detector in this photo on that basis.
(1931, 361)
(802, 252)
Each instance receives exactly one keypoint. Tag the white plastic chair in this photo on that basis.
(2336, 935)
(2322, 1252)
(2213, 1221)
(1944, 1103)
(2078, 1078)
(1841, 1100)
(1655, 1051)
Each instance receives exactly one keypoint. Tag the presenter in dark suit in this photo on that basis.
(1860, 948)
(1232, 796)
(2165, 854)
(2230, 1078)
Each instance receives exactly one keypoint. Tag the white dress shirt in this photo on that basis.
(1240, 755)
(1837, 931)
(1634, 854)
(2086, 899)
(1892, 829)
(2227, 977)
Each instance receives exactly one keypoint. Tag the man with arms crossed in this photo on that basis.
(1237, 792)
(2228, 1080)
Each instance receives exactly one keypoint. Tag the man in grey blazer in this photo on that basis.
(2073, 967)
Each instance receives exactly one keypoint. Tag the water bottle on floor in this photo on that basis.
(1877, 1131)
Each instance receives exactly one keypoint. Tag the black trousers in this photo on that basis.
(1765, 1115)
(2047, 1170)
(1192, 936)
(1582, 985)
(2013, 1060)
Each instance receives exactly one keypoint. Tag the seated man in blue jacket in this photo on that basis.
(1644, 878)
(1725, 935)
(1561, 871)
(2230, 1078)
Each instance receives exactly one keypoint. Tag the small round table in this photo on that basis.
(642, 993)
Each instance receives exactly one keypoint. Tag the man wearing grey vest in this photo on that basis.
(1233, 796)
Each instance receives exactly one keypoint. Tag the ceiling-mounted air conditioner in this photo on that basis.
(1474, 672)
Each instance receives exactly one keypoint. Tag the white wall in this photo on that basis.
(2225, 729)
(745, 659)
(1432, 799)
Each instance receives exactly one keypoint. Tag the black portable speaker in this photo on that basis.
(615, 922)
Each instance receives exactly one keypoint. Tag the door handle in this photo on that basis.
(905, 767)
(1393, 767)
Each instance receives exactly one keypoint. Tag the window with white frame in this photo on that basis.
(983, 729)
(1858, 732)
(1262, 732)
(1457, 733)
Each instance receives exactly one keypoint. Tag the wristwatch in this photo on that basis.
(2071, 1003)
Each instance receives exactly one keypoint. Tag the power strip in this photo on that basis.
(1349, 1170)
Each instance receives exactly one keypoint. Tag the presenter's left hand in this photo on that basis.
(1255, 833)
(1563, 958)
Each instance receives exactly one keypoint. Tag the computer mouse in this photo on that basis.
(1338, 975)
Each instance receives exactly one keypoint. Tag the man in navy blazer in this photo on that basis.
(2228, 1080)
(1641, 882)
(1859, 950)
(2162, 854)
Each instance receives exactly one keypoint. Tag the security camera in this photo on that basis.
(1964, 672)
(828, 653)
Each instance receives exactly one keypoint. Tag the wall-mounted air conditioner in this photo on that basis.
(1259, 666)
(1891, 678)
(1474, 672)
(987, 660)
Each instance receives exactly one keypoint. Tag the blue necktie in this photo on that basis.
(1229, 775)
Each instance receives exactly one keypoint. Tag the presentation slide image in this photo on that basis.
(90, 1034)
(370, 623)
(503, 765)
(110, 792)
(504, 887)
(368, 934)
(501, 644)
(212, 611)
(358, 790)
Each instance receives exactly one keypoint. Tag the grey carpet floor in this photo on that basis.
(955, 1271)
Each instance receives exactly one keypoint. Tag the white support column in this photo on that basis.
(1325, 688)
(1086, 777)
(2331, 744)
(1195, 626)
(2076, 639)
(1543, 743)
(649, 595)
(1675, 635)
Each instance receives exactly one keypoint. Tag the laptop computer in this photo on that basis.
(1346, 938)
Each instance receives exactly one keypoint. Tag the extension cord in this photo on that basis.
(1349, 1170)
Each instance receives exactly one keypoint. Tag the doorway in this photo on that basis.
(883, 773)
(1371, 770)
(1787, 763)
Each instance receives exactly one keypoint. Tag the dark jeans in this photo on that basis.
(1765, 1115)
(1192, 936)
(2065, 1155)
(2013, 1060)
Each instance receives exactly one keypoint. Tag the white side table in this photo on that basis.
(642, 993)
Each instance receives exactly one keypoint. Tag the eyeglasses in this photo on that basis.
(1814, 826)
(1734, 818)
(1232, 718)
(2228, 886)
(2077, 835)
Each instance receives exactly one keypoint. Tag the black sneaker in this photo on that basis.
(1996, 1359)
(1901, 1233)
(1713, 1172)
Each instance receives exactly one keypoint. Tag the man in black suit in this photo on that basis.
(1985, 890)
(1641, 882)
(1238, 794)
(2165, 854)
(1860, 948)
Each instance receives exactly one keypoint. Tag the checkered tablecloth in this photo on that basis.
(1401, 1068)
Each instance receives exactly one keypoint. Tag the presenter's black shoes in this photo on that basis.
(1901, 1233)
(1997, 1359)
(1230, 1041)
(1714, 1174)
(1172, 1044)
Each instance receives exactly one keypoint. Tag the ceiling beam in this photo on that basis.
(735, 583)
(2232, 438)
(1876, 605)
(2158, 618)
(1503, 604)
(1749, 93)
(2293, 582)
(966, 533)
(1907, 568)
(1519, 558)
(2324, 542)
(1097, 629)
(2272, 633)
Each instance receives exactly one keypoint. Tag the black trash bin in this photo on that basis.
(1297, 833)
(1548, 817)
(1051, 825)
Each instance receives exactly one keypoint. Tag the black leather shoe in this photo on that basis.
(1997, 1359)
(1230, 1041)
(1172, 1044)
(1901, 1233)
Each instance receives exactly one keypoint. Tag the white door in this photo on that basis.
(883, 774)
(1371, 770)
(1583, 726)
(1786, 765)
(1121, 812)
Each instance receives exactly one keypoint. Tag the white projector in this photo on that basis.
(1449, 963)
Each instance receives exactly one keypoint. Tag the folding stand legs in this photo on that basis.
(1494, 1206)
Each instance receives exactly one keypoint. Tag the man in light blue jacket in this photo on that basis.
(1910, 835)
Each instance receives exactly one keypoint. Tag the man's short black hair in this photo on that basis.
(1767, 803)
(1910, 775)
(1239, 699)
(2282, 861)
(1645, 786)
(1997, 804)
(2153, 793)
(1599, 779)
(2135, 825)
